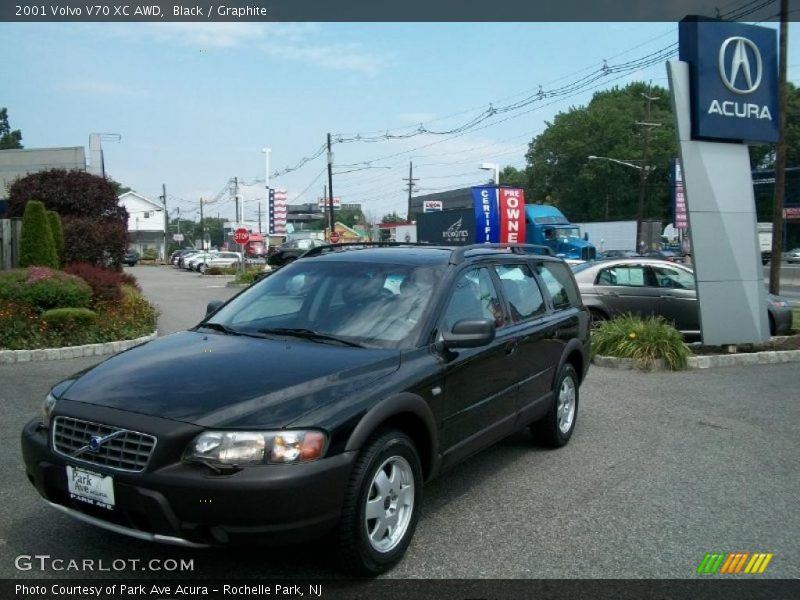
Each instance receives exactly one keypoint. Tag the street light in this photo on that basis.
(266, 152)
(644, 173)
(487, 166)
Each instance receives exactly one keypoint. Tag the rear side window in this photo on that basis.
(522, 291)
(558, 280)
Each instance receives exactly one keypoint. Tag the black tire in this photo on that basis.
(549, 431)
(357, 552)
(771, 324)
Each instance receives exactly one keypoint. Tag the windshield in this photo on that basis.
(370, 304)
(568, 232)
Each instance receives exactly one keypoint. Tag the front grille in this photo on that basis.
(588, 253)
(125, 451)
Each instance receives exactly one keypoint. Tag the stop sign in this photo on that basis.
(241, 236)
(334, 237)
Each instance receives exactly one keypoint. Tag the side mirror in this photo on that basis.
(213, 306)
(469, 333)
(586, 236)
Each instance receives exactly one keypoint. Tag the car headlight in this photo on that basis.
(256, 447)
(47, 407)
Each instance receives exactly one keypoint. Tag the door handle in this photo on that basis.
(666, 297)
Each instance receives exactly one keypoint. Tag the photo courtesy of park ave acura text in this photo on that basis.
(457, 301)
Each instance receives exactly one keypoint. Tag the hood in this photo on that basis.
(217, 380)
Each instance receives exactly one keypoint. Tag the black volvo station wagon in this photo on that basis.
(319, 400)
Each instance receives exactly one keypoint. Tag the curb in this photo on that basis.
(710, 361)
(237, 285)
(42, 354)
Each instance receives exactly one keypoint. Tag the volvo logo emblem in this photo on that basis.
(94, 443)
(737, 70)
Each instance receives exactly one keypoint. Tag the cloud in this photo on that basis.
(339, 56)
(103, 88)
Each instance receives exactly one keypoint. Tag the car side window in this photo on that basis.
(625, 275)
(667, 277)
(559, 283)
(522, 291)
(474, 297)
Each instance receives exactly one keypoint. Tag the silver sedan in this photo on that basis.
(645, 286)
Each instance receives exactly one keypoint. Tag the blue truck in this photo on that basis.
(545, 225)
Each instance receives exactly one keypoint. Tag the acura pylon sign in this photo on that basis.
(733, 70)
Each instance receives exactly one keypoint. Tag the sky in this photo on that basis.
(195, 103)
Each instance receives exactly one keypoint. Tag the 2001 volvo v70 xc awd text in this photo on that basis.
(319, 400)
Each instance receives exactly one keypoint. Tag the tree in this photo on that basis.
(591, 190)
(36, 247)
(9, 140)
(392, 217)
(95, 226)
(511, 176)
(762, 156)
(57, 232)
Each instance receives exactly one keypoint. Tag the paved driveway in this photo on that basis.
(663, 468)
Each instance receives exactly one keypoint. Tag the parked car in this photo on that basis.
(221, 259)
(668, 255)
(277, 256)
(616, 254)
(647, 286)
(793, 256)
(173, 258)
(183, 258)
(190, 263)
(131, 258)
(360, 374)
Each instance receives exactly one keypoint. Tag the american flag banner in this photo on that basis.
(277, 212)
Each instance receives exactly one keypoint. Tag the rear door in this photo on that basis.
(677, 301)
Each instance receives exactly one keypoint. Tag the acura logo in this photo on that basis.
(741, 73)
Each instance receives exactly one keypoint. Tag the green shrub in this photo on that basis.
(69, 319)
(57, 233)
(36, 246)
(248, 276)
(44, 288)
(643, 340)
(130, 318)
(215, 271)
(149, 254)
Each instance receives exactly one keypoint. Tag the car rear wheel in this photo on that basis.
(555, 429)
(381, 506)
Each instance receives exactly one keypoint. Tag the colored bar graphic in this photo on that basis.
(733, 563)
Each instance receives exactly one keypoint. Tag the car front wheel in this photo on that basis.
(381, 504)
(555, 429)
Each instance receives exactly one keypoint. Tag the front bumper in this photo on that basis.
(189, 505)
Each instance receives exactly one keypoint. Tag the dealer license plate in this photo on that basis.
(90, 487)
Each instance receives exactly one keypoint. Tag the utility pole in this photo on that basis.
(411, 181)
(645, 126)
(780, 161)
(330, 213)
(202, 228)
(259, 216)
(330, 182)
(166, 217)
(236, 199)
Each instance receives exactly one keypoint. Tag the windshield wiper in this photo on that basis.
(309, 335)
(220, 327)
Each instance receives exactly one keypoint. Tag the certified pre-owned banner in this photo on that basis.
(512, 215)
(487, 221)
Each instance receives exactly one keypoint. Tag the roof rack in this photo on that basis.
(459, 253)
(357, 246)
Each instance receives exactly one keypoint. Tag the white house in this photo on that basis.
(145, 223)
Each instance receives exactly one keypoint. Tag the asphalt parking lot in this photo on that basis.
(663, 468)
